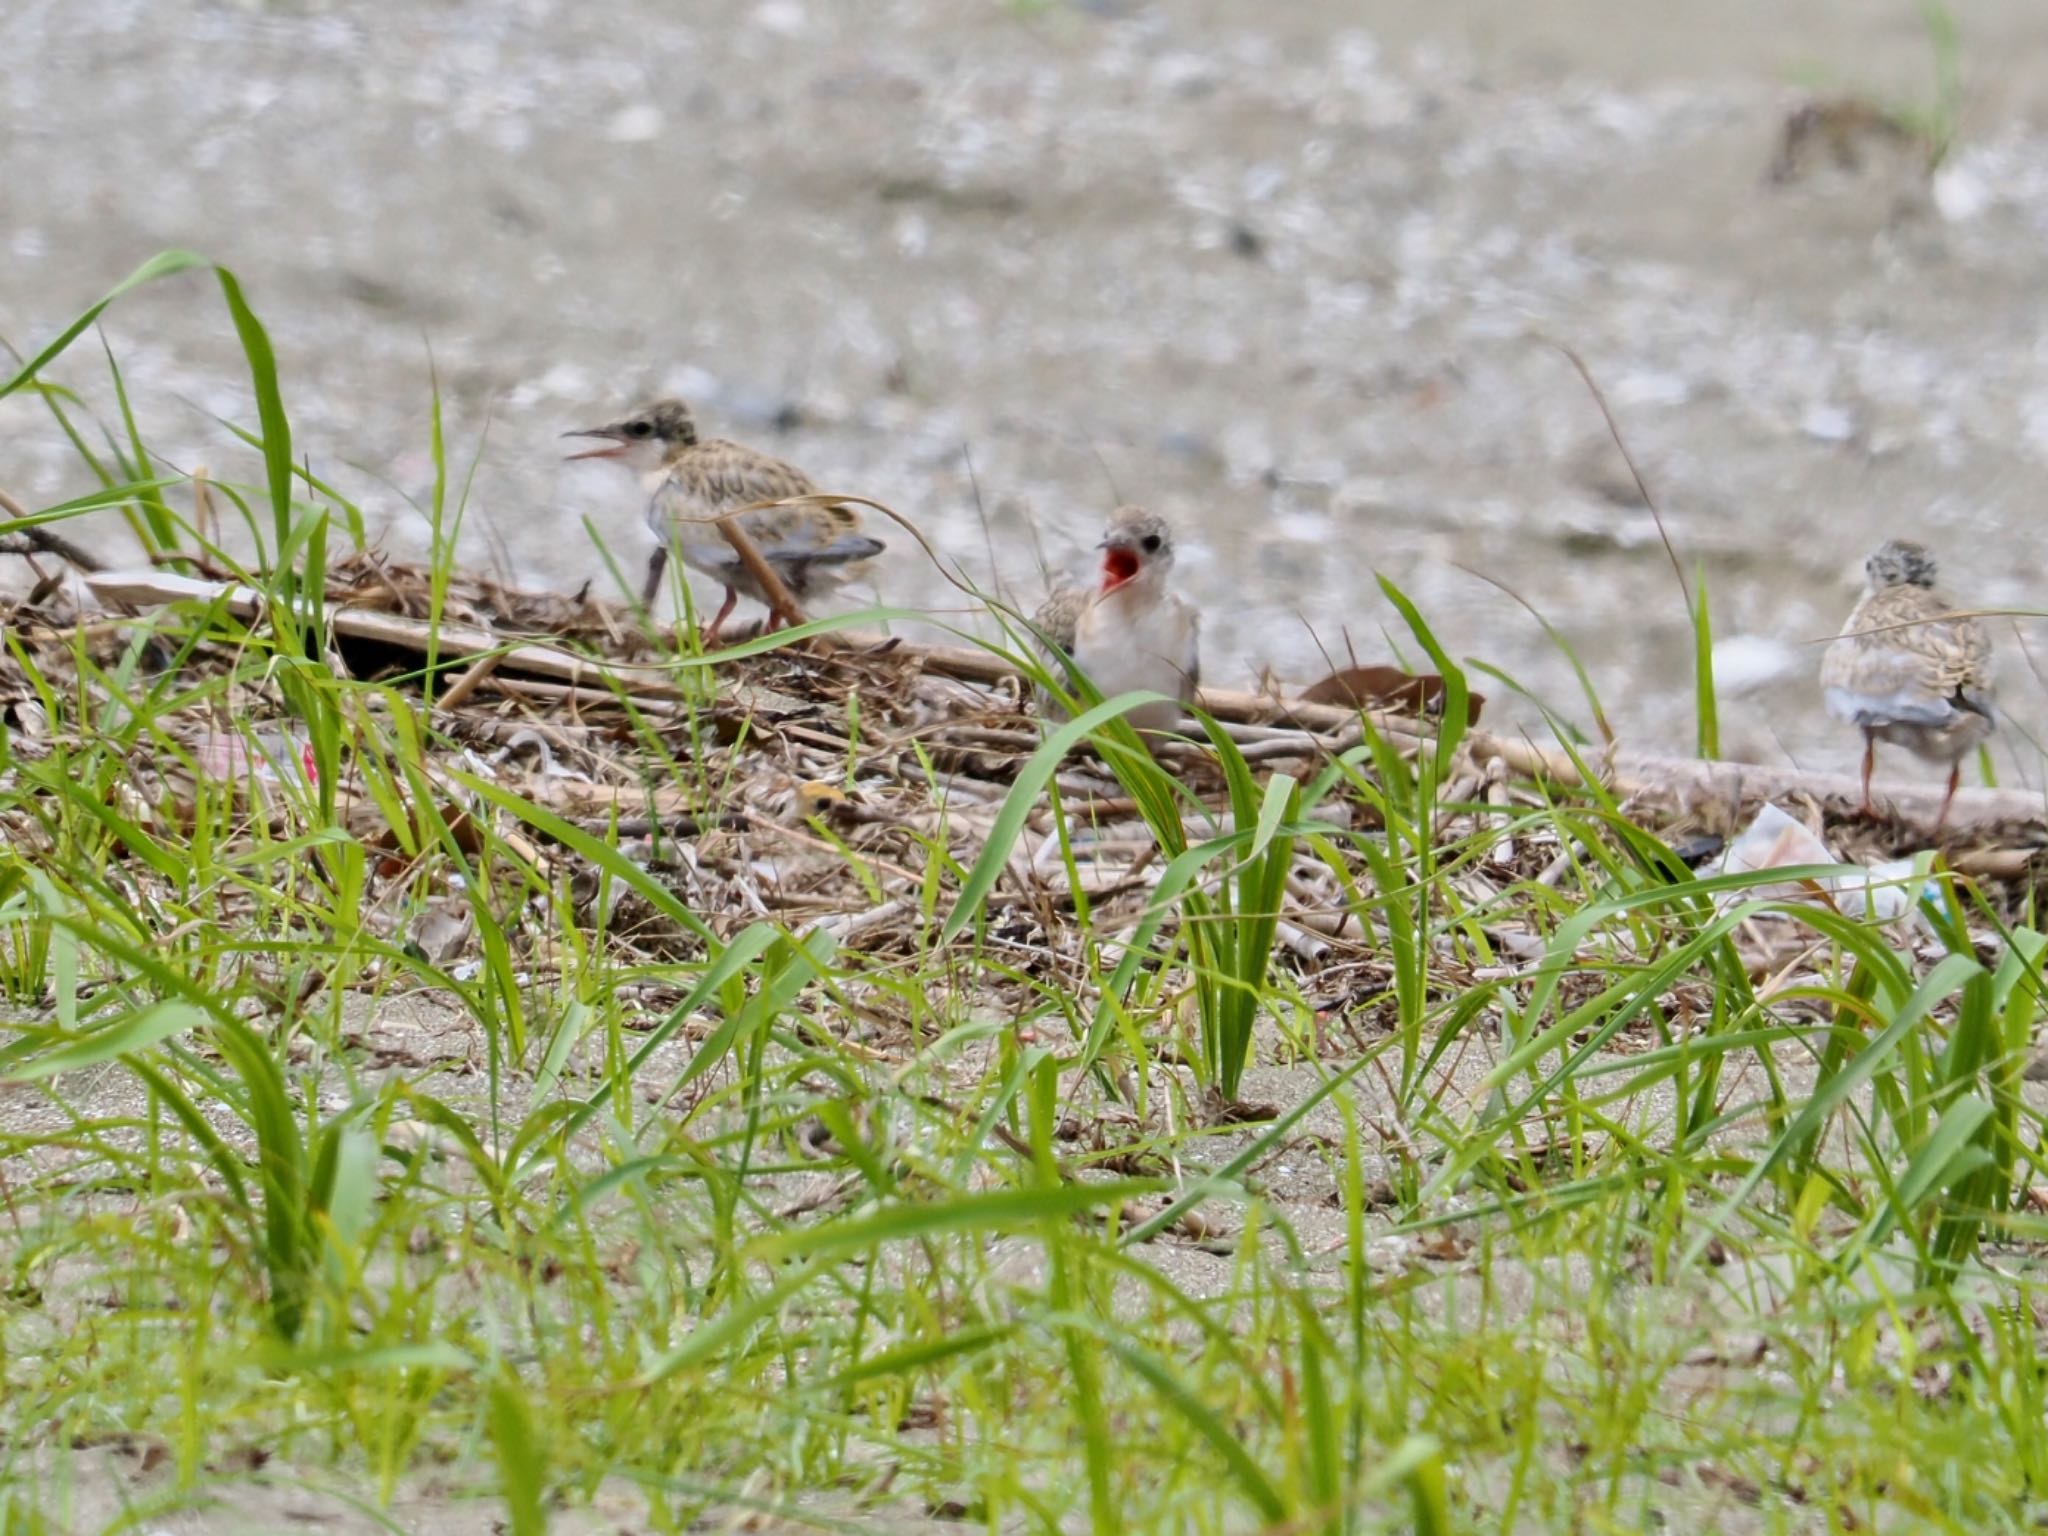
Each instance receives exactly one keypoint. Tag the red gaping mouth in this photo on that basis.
(1119, 565)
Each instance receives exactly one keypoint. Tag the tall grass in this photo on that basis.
(1570, 1219)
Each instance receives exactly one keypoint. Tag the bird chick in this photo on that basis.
(1129, 630)
(1909, 670)
(815, 549)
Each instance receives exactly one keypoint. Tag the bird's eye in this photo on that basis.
(1151, 543)
(639, 428)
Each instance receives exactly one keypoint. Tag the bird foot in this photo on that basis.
(715, 636)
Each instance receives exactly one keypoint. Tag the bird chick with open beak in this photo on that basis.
(1130, 630)
(1909, 670)
(815, 549)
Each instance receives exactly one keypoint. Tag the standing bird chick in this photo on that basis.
(1909, 670)
(815, 549)
(1129, 630)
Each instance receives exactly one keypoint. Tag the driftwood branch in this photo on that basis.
(452, 641)
(1671, 784)
(1682, 785)
(40, 537)
(969, 665)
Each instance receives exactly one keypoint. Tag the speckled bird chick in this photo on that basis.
(815, 549)
(1909, 670)
(1130, 630)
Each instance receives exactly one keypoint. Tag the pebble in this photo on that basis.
(1829, 424)
(637, 124)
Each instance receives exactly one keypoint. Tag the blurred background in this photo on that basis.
(1283, 272)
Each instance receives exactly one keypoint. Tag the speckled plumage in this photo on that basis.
(1128, 631)
(1908, 670)
(1058, 614)
(814, 548)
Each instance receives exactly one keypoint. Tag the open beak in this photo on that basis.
(613, 445)
(1119, 563)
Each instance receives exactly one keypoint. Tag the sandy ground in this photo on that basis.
(1273, 269)
(425, 1037)
(123, 1482)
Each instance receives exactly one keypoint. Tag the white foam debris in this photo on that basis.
(784, 18)
(1960, 192)
(638, 124)
(1829, 423)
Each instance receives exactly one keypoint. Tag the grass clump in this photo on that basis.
(779, 1084)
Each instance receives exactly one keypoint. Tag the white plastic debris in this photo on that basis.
(639, 123)
(1775, 840)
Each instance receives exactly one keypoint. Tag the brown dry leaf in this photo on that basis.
(460, 827)
(923, 1413)
(146, 1451)
(1239, 1111)
(619, 1264)
(244, 1459)
(1444, 1244)
(1377, 687)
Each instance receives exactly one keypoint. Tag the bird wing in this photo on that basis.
(683, 508)
(1904, 657)
(1975, 668)
(716, 477)
(1060, 614)
(723, 474)
(798, 553)
(719, 476)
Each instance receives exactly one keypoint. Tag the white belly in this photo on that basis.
(1133, 639)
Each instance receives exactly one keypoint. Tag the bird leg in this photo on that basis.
(718, 619)
(770, 585)
(1869, 762)
(1955, 777)
(657, 563)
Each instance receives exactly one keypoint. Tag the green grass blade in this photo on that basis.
(1244, 1471)
(276, 426)
(1938, 1163)
(1707, 705)
(520, 1461)
(1021, 801)
(163, 264)
(137, 1032)
(1456, 715)
(996, 1210)
(1946, 977)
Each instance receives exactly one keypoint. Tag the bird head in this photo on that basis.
(644, 440)
(1138, 543)
(1899, 563)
